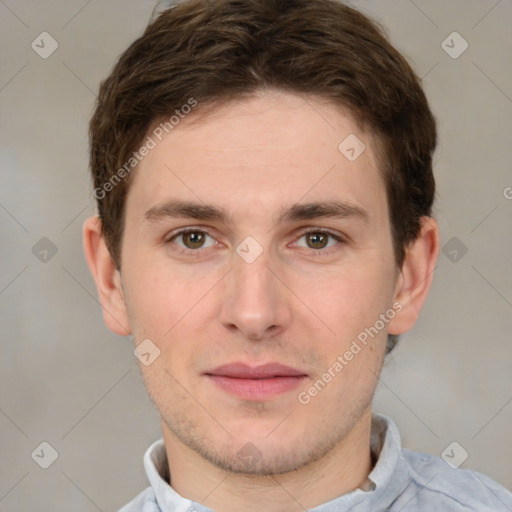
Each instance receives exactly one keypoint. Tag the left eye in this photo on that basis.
(318, 240)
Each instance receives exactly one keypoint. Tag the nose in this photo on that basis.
(256, 303)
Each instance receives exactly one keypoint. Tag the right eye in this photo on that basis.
(192, 239)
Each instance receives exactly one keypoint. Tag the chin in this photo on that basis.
(262, 456)
(249, 460)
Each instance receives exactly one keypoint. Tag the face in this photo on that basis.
(254, 254)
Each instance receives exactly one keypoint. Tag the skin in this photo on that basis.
(299, 303)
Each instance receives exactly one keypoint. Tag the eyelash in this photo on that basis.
(316, 252)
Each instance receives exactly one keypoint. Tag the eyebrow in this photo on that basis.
(293, 213)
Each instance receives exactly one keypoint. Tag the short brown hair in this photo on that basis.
(215, 51)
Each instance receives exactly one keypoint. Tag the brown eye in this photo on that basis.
(316, 240)
(193, 239)
(319, 240)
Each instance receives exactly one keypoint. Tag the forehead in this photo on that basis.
(251, 157)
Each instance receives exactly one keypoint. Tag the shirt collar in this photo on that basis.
(386, 481)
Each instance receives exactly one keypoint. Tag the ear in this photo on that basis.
(106, 276)
(415, 278)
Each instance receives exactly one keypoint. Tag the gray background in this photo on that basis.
(65, 379)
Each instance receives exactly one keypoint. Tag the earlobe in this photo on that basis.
(106, 277)
(415, 279)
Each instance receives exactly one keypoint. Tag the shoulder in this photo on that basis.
(438, 484)
(144, 502)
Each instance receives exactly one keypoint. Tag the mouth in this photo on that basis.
(262, 382)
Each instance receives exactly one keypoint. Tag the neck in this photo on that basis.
(343, 469)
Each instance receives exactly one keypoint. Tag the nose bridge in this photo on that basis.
(255, 303)
(251, 279)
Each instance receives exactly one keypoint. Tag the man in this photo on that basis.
(263, 172)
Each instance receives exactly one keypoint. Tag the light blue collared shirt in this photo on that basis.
(401, 481)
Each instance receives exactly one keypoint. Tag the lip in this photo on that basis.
(263, 371)
(262, 382)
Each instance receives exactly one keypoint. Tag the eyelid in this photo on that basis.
(183, 231)
(336, 235)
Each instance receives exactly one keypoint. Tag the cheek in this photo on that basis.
(351, 305)
(348, 300)
(163, 299)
